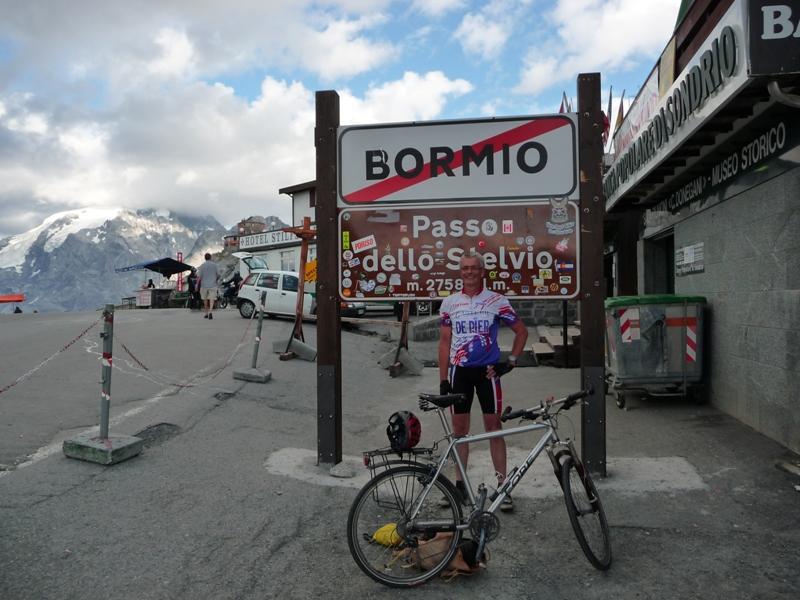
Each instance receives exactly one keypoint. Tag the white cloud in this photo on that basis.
(186, 177)
(412, 98)
(481, 35)
(201, 149)
(176, 54)
(339, 51)
(489, 109)
(594, 35)
(86, 142)
(539, 74)
(28, 123)
(331, 38)
(436, 8)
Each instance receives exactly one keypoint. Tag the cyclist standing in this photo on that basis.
(469, 358)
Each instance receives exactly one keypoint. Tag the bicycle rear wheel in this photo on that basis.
(407, 556)
(586, 513)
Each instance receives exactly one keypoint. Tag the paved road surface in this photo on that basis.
(209, 510)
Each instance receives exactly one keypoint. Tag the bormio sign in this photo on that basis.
(414, 197)
(499, 160)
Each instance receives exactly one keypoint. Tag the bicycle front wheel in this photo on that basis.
(387, 543)
(586, 513)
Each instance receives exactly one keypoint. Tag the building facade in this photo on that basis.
(281, 250)
(703, 198)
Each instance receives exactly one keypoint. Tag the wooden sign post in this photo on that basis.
(592, 203)
(329, 326)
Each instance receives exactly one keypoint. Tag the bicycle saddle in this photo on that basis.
(439, 401)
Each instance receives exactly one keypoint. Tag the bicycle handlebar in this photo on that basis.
(544, 407)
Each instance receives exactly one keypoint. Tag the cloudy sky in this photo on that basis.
(207, 107)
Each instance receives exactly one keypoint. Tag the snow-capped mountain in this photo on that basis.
(67, 262)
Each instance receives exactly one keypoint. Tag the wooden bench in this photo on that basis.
(129, 302)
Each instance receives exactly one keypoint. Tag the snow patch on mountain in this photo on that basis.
(56, 228)
(71, 261)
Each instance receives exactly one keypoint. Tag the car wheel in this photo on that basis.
(246, 309)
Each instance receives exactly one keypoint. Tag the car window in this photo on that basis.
(268, 280)
(290, 283)
(253, 262)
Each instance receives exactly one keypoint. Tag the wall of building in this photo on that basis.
(752, 283)
(301, 207)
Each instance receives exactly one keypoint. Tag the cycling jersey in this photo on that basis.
(474, 322)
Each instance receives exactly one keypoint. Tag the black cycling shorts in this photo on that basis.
(467, 381)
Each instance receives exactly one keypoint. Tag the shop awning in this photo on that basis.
(163, 266)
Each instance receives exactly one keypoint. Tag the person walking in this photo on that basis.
(208, 278)
(469, 359)
(194, 290)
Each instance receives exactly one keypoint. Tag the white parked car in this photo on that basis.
(281, 288)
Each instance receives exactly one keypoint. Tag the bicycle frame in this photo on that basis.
(514, 476)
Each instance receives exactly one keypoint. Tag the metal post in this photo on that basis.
(402, 344)
(329, 325)
(108, 344)
(257, 341)
(592, 206)
(564, 336)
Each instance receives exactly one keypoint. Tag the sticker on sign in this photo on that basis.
(503, 160)
(364, 244)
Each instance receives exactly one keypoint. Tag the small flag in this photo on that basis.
(620, 113)
(607, 117)
(565, 107)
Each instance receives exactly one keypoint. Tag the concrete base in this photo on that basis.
(109, 451)
(343, 470)
(301, 349)
(405, 361)
(253, 375)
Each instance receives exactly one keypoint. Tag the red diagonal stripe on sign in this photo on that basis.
(512, 137)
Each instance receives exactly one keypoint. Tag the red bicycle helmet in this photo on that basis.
(404, 431)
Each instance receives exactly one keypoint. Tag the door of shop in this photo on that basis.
(659, 264)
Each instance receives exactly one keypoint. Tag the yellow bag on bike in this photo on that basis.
(387, 535)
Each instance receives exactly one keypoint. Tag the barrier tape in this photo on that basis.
(108, 360)
(49, 358)
(129, 353)
(209, 376)
(237, 348)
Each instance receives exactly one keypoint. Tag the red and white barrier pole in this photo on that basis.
(179, 287)
(108, 345)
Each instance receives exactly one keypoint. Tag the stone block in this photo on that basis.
(253, 375)
(111, 450)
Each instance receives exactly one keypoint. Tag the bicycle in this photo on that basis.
(408, 496)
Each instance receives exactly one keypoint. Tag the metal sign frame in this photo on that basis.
(329, 384)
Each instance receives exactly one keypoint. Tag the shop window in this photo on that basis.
(287, 260)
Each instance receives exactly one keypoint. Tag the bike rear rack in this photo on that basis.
(381, 459)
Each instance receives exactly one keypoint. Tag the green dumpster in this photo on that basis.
(654, 345)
